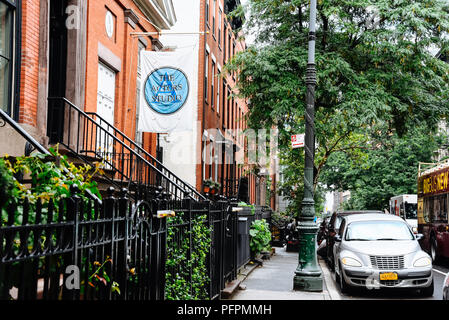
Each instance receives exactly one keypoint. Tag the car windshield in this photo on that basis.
(411, 211)
(378, 230)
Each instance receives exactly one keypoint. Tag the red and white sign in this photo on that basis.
(297, 141)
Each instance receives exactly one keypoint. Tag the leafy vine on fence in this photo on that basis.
(187, 277)
(42, 177)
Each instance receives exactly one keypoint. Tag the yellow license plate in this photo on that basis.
(389, 276)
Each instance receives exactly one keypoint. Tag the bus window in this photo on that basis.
(436, 209)
(442, 214)
(428, 208)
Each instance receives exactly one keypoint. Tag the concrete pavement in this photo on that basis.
(274, 281)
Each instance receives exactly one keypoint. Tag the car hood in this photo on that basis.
(383, 248)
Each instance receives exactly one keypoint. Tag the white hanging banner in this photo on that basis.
(166, 104)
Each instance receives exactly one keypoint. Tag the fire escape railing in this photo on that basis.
(91, 136)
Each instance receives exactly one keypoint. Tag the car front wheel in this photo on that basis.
(344, 287)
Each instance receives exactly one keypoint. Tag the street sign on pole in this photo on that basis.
(297, 141)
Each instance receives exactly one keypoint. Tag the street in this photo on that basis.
(439, 272)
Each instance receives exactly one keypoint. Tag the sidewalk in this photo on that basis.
(274, 281)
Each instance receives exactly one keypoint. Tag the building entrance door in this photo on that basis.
(105, 109)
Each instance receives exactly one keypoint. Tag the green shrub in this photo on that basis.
(251, 206)
(260, 236)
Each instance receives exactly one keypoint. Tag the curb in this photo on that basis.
(232, 287)
(332, 289)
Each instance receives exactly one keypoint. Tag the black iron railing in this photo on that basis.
(95, 242)
(230, 188)
(124, 243)
(90, 136)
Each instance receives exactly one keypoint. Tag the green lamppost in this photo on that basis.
(308, 274)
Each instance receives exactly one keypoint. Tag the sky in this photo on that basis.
(249, 38)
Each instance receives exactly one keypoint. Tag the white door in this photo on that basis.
(105, 108)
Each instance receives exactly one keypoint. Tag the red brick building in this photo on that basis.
(215, 148)
(88, 53)
(82, 50)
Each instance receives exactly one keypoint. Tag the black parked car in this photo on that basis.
(333, 228)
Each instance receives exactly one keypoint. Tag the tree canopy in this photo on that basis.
(378, 72)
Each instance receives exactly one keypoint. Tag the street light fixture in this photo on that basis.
(308, 275)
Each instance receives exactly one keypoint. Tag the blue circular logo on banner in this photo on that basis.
(166, 90)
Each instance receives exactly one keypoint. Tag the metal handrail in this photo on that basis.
(157, 162)
(184, 188)
(23, 133)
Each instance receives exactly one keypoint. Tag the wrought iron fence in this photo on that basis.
(108, 245)
(83, 248)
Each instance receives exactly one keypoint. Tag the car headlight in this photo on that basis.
(351, 262)
(422, 262)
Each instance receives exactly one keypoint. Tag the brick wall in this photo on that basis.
(125, 47)
(207, 108)
(29, 71)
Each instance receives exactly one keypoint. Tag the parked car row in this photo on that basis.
(372, 249)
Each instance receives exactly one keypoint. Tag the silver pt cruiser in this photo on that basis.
(380, 251)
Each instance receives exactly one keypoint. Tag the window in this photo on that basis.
(206, 72)
(228, 110)
(229, 45)
(232, 115)
(218, 94)
(219, 28)
(6, 55)
(233, 53)
(207, 13)
(435, 208)
(224, 102)
(213, 19)
(377, 231)
(224, 43)
(212, 97)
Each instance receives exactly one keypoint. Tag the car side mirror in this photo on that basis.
(419, 236)
(337, 238)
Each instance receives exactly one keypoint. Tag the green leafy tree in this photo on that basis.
(376, 72)
(389, 170)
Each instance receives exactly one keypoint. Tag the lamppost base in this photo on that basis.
(308, 283)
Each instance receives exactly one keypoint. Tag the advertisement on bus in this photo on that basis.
(433, 193)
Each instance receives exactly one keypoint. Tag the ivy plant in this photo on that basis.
(187, 275)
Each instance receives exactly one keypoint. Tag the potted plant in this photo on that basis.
(216, 187)
(213, 188)
(207, 185)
